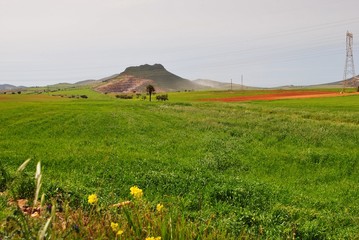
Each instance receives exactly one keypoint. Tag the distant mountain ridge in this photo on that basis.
(221, 85)
(86, 82)
(136, 78)
(9, 87)
(350, 82)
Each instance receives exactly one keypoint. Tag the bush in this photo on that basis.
(163, 97)
(124, 96)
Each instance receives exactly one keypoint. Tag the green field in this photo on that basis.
(276, 169)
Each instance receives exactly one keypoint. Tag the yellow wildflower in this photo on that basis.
(159, 207)
(120, 232)
(153, 238)
(136, 192)
(114, 226)
(92, 199)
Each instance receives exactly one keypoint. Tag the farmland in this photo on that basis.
(275, 169)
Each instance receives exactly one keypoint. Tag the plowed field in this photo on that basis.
(280, 95)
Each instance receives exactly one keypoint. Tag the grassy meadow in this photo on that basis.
(264, 169)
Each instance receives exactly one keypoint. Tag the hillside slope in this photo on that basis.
(161, 77)
(126, 84)
(8, 87)
(221, 85)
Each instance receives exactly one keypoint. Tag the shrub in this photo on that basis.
(124, 96)
(163, 97)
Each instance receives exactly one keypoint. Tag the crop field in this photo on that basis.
(261, 169)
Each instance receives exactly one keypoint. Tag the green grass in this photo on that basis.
(268, 169)
(200, 95)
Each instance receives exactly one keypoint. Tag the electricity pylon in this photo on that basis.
(349, 78)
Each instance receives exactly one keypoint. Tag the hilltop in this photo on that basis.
(161, 77)
(136, 78)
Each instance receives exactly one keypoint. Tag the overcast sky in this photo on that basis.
(270, 42)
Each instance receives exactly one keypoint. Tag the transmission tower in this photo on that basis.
(349, 78)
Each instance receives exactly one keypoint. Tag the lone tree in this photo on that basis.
(150, 89)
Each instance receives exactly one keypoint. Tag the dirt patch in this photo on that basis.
(127, 84)
(280, 95)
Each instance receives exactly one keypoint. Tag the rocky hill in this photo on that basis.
(135, 79)
(161, 77)
(127, 84)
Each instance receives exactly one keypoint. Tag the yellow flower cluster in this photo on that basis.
(116, 228)
(136, 192)
(92, 199)
(153, 238)
(159, 207)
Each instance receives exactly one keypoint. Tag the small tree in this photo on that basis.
(150, 89)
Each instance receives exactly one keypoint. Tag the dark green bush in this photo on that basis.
(124, 96)
(163, 97)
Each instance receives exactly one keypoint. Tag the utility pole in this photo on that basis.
(349, 71)
(231, 84)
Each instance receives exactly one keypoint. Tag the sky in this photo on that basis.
(270, 42)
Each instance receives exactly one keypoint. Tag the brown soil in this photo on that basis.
(126, 84)
(281, 95)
